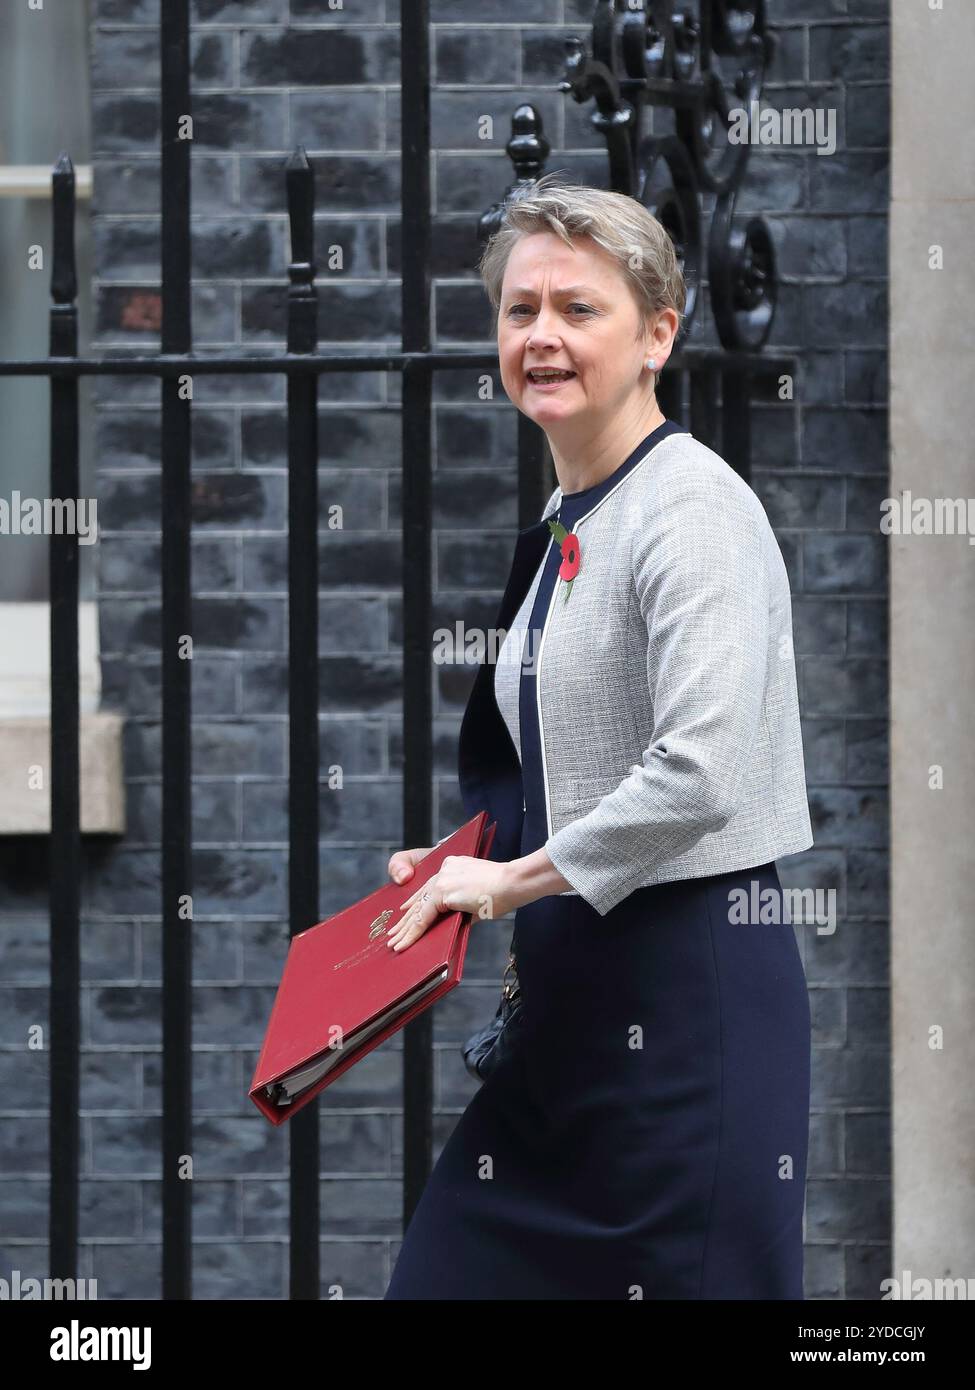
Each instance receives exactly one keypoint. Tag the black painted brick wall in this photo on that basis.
(268, 75)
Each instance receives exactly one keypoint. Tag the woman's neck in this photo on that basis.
(584, 463)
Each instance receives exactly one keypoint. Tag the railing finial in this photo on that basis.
(302, 295)
(528, 149)
(64, 278)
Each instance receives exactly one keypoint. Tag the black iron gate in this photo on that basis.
(642, 53)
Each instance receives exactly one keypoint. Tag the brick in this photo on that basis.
(849, 1077)
(868, 1014)
(868, 882)
(302, 57)
(126, 11)
(859, 437)
(856, 953)
(867, 626)
(825, 1134)
(859, 1208)
(252, 880)
(853, 182)
(24, 951)
(126, 122)
(823, 749)
(476, 12)
(828, 1014)
(240, 11)
(24, 1147)
(25, 1008)
(836, 563)
(823, 1269)
(866, 377)
(359, 811)
(459, 53)
(810, 247)
(796, 501)
(109, 1208)
(868, 116)
(795, 11)
(130, 57)
(314, 12)
(867, 1266)
(24, 1211)
(818, 625)
(109, 1080)
(125, 1271)
(216, 957)
(851, 685)
(132, 314)
(867, 751)
(867, 1139)
(852, 52)
(354, 1269)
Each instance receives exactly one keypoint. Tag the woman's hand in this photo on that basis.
(404, 861)
(464, 884)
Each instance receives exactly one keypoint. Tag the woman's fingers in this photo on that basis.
(421, 910)
(404, 861)
(410, 928)
(400, 869)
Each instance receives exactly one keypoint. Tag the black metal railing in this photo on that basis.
(641, 56)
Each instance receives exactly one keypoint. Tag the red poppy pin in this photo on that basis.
(571, 554)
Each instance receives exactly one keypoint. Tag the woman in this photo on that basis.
(641, 752)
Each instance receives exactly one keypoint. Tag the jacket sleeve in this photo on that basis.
(701, 571)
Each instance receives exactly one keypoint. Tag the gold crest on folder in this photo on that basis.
(379, 925)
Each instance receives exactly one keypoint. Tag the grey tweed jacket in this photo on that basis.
(666, 688)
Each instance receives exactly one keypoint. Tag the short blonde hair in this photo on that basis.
(623, 227)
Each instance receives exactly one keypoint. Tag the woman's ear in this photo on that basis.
(659, 337)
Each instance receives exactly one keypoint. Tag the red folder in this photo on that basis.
(344, 991)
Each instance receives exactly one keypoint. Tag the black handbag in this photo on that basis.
(488, 1047)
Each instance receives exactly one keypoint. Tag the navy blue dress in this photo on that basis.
(648, 1137)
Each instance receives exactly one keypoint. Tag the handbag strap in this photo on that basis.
(509, 986)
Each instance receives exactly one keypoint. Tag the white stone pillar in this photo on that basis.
(932, 642)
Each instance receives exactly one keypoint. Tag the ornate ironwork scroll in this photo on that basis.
(706, 65)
